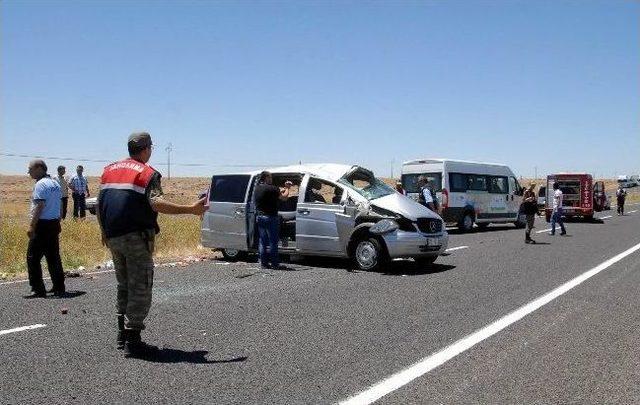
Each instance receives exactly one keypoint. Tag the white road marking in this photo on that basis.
(456, 248)
(429, 363)
(20, 329)
(544, 230)
(607, 217)
(631, 212)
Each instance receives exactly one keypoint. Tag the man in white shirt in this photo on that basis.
(64, 189)
(79, 192)
(556, 215)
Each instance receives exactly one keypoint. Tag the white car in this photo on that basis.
(91, 204)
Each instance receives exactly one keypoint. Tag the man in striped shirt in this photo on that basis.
(79, 192)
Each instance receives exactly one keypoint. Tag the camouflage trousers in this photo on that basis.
(133, 262)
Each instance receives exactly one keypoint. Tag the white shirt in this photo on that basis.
(427, 195)
(557, 199)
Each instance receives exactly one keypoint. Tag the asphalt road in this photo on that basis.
(319, 333)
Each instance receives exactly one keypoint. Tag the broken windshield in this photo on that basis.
(366, 184)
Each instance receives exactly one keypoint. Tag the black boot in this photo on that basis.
(121, 333)
(136, 348)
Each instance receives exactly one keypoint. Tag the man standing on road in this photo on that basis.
(64, 190)
(128, 206)
(556, 215)
(530, 208)
(427, 196)
(44, 231)
(267, 220)
(79, 192)
(621, 196)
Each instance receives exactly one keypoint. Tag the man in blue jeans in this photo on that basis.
(267, 196)
(556, 216)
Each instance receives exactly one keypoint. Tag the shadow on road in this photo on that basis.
(168, 355)
(410, 268)
(69, 294)
(492, 228)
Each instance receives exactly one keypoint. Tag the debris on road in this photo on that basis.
(64, 310)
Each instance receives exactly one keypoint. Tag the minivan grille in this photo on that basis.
(429, 225)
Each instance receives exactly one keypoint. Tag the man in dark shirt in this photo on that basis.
(267, 196)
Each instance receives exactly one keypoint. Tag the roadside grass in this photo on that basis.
(80, 243)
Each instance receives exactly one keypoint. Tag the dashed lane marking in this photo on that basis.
(404, 377)
(22, 328)
(456, 248)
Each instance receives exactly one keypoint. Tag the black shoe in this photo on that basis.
(527, 241)
(122, 336)
(35, 294)
(134, 347)
(563, 233)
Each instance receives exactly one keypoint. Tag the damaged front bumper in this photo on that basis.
(402, 244)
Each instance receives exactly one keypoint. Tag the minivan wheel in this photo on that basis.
(466, 224)
(483, 225)
(369, 254)
(233, 255)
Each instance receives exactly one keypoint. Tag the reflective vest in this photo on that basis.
(123, 203)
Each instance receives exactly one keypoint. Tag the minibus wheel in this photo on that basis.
(369, 254)
(233, 255)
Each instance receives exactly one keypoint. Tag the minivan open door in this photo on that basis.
(224, 224)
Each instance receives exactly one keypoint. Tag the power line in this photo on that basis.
(87, 160)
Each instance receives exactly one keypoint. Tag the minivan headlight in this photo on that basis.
(384, 226)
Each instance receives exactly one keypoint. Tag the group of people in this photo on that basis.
(79, 187)
(128, 205)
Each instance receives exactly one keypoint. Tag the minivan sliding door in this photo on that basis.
(224, 223)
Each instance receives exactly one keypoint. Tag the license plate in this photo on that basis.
(433, 242)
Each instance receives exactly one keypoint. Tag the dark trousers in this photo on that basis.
(268, 229)
(620, 206)
(79, 205)
(63, 206)
(46, 242)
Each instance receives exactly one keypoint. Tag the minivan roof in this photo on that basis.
(328, 171)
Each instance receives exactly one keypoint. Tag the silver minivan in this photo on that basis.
(332, 210)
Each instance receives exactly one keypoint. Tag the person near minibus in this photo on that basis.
(556, 215)
(529, 208)
(621, 196)
(427, 196)
(267, 220)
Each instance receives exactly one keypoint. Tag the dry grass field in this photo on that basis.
(80, 240)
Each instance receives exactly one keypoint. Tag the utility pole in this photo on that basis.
(169, 148)
(535, 168)
(393, 162)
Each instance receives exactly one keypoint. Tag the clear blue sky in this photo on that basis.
(550, 84)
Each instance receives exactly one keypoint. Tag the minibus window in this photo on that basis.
(498, 185)
(458, 182)
(410, 181)
(477, 182)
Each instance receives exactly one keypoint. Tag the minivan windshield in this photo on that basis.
(366, 184)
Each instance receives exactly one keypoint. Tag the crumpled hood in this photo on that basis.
(405, 206)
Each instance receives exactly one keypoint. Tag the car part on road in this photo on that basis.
(233, 255)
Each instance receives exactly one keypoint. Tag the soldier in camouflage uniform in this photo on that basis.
(128, 205)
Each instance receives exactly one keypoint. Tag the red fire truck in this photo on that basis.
(581, 195)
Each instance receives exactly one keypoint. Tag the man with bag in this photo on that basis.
(128, 206)
(530, 208)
